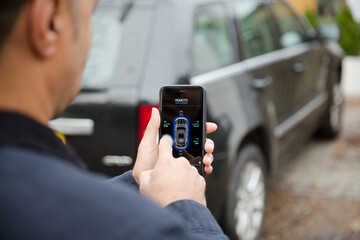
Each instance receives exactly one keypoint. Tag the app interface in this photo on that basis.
(182, 119)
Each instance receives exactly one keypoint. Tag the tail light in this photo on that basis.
(144, 118)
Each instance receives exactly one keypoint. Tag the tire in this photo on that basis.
(332, 123)
(245, 207)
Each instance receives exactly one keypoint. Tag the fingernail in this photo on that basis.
(169, 138)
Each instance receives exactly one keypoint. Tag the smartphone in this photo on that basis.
(183, 117)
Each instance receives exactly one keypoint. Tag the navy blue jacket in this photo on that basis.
(46, 194)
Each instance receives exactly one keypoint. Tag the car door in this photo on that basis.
(302, 65)
(301, 53)
(214, 50)
(259, 46)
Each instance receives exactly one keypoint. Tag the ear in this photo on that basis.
(45, 24)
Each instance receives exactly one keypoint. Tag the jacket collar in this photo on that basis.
(19, 130)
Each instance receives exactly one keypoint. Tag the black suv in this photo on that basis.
(271, 82)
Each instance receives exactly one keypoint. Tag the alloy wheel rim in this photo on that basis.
(250, 201)
(335, 109)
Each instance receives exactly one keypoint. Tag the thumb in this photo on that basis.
(152, 129)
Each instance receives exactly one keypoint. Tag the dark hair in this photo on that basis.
(9, 11)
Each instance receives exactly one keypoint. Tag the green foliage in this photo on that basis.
(350, 31)
(312, 17)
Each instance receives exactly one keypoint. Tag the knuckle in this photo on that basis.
(184, 160)
(202, 181)
(194, 171)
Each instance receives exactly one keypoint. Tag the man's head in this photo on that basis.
(43, 50)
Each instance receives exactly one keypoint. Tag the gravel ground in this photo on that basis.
(316, 195)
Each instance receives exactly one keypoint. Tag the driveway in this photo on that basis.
(316, 195)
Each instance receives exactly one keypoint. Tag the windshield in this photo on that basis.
(118, 47)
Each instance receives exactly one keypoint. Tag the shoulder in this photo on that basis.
(59, 197)
(50, 176)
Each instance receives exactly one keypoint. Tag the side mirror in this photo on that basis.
(329, 31)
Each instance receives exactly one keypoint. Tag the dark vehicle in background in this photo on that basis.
(271, 81)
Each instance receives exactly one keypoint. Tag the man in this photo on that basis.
(45, 193)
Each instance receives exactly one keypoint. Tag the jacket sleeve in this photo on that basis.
(127, 179)
(197, 220)
(87, 207)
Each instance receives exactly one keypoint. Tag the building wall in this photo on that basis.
(303, 5)
(355, 9)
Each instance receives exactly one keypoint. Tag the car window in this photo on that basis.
(212, 44)
(103, 55)
(254, 20)
(291, 30)
(118, 48)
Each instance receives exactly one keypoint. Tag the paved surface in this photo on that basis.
(317, 194)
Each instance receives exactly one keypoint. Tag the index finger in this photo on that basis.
(165, 147)
(210, 127)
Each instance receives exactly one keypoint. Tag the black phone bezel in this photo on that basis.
(204, 107)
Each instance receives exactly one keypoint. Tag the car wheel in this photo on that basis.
(332, 124)
(245, 209)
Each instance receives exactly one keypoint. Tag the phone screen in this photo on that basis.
(182, 117)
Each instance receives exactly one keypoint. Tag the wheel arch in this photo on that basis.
(259, 137)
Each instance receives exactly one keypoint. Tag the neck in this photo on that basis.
(22, 88)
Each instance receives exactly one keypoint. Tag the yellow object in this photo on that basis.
(61, 136)
(302, 5)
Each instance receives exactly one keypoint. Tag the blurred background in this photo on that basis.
(316, 195)
(282, 80)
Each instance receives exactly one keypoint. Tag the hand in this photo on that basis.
(172, 179)
(148, 152)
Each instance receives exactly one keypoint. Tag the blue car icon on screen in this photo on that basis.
(181, 136)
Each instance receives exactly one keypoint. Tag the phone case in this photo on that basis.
(183, 122)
